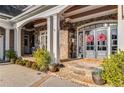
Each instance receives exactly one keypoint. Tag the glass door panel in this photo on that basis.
(113, 38)
(80, 45)
(43, 40)
(89, 43)
(101, 42)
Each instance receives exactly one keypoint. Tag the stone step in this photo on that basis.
(81, 71)
(77, 74)
(83, 74)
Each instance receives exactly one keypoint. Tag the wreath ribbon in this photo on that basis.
(90, 38)
(102, 37)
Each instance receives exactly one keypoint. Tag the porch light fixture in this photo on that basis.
(105, 25)
(73, 40)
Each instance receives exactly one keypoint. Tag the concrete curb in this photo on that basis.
(85, 84)
(39, 82)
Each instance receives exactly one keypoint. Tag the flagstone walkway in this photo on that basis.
(12, 75)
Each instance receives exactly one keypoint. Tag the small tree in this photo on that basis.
(113, 69)
(42, 58)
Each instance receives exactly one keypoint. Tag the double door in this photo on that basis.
(93, 43)
(96, 43)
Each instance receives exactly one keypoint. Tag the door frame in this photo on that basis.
(28, 43)
(95, 42)
(107, 28)
(44, 35)
(3, 47)
(108, 37)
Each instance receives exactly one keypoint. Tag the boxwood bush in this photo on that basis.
(34, 66)
(28, 64)
(18, 60)
(113, 69)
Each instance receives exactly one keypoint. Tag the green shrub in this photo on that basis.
(17, 61)
(24, 62)
(113, 68)
(42, 58)
(10, 54)
(43, 68)
(34, 66)
(20, 62)
(28, 63)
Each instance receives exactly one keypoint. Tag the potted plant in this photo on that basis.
(53, 67)
(11, 55)
(97, 77)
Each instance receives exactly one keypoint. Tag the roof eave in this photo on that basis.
(26, 12)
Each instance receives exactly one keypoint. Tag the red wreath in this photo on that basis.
(102, 37)
(90, 38)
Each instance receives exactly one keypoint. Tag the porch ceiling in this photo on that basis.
(31, 24)
(80, 12)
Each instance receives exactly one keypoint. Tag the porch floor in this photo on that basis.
(84, 60)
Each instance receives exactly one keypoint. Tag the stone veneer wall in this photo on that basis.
(64, 44)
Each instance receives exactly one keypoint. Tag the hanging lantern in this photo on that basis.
(102, 37)
(90, 38)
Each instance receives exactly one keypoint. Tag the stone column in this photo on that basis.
(17, 41)
(120, 28)
(50, 35)
(56, 44)
(7, 39)
(109, 40)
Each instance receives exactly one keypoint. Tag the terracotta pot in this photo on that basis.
(53, 68)
(97, 78)
(12, 61)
